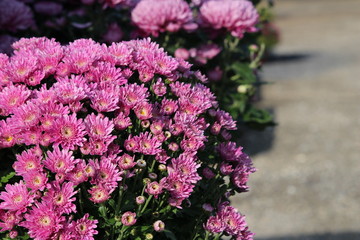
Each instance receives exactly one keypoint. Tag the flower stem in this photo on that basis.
(146, 203)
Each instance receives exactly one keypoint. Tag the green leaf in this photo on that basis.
(169, 234)
(6, 179)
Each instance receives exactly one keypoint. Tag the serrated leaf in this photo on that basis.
(5, 179)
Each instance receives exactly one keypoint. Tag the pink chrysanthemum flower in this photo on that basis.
(8, 134)
(154, 188)
(60, 161)
(16, 198)
(61, 197)
(42, 221)
(133, 94)
(186, 167)
(214, 225)
(78, 175)
(99, 194)
(71, 89)
(105, 99)
(98, 127)
(69, 132)
(84, 228)
(126, 162)
(106, 174)
(237, 16)
(156, 16)
(9, 219)
(122, 122)
(81, 54)
(168, 107)
(12, 97)
(143, 111)
(148, 144)
(159, 88)
(118, 54)
(26, 162)
(35, 180)
(233, 220)
(128, 218)
(229, 151)
(27, 115)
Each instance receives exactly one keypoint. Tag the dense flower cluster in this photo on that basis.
(95, 124)
(214, 35)
(154, 16)
(237, 16)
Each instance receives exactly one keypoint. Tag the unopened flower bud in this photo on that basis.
(140, 200)
(146, 180)
(145, 123)
(208, 173)
(173, 146)
(159, 226)
(162, 167)
(13, 234)
(149, 236)
(167, 134)
(152, 176)
(207, 207)
(253, 48)
(128, 218)
(141, 163)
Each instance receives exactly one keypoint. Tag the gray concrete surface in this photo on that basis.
(308, 183)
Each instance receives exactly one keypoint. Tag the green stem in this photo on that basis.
(207, 235)
(152, 166)
(121, 232)
(146, 204)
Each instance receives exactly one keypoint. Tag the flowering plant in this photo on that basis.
(114, 142)
(223, 38)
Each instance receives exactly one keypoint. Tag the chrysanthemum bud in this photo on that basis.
(149, 236)
(141, 163)
(146, 180)
(128, 218)
(140, 200)
(159, 226)
(152, 176)
(145, 123)
(162, 167)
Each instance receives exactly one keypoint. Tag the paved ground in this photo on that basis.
(308, 183)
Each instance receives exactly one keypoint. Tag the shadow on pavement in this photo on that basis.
(293, 57)
(325, 236)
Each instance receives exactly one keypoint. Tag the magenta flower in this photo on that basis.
(214, 225)
(69, 132)
(237, 16)
(159, 226)
(84, 228)
(99, 194)
(128, 218)
(9, 219)
(156, 16)
(61, 197)
(60, 161)
(16, 198)
(35, 180)
(154, 188)
(42, 221)
(26, 162)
